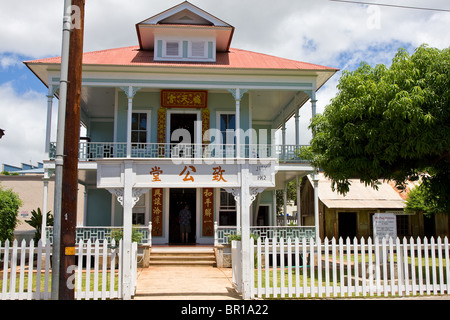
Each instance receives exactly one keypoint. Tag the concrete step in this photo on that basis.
(182, 256)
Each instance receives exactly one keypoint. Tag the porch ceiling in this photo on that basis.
(98, 102)
(288, 172)
(268, 105)
(87, 177)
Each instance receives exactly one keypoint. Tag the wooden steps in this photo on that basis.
(179, 256)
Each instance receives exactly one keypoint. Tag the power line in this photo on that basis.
(392, 5)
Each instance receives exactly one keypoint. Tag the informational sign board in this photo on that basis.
(384, 225)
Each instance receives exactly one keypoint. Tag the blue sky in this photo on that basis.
(13, 71)
(325, 32)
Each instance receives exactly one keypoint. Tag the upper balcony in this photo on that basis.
(92, 151)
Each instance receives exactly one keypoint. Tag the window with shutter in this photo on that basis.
(198, 49)
(172, 49)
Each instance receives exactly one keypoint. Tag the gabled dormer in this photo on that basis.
(184, 33)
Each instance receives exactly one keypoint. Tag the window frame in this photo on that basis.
(148, 129)
(180, 49)
(191, 48)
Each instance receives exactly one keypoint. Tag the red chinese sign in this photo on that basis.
(208, 212)
(157, 212)
(184, 99)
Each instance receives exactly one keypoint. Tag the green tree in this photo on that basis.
(36, 222)
(390, 123)
(9, 208)
(420, 200)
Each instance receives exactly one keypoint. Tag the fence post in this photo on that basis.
(363, 266)
(441, 268)
(447, 264)
(419, 264)
(356, 264)
(413, 266)
(30, 270)
(236, 264)
(399, 267)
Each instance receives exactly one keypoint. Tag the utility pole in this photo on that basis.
(71, 146)
(59, 159)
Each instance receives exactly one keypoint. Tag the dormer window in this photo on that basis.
(193, 49)
(172, 49)
(198, 49)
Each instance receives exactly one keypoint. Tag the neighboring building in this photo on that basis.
(351, 215)
(30, 188)
(181, 80)
(23, 169)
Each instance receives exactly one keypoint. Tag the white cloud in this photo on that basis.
(23, 117)
(318, 31)
(7, 61)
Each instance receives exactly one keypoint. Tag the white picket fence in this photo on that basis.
(296, 268)
(25, 271)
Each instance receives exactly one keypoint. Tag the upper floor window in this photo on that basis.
(227, 126)
(140, 128)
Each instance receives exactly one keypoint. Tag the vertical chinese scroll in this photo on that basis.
(161, 130)
(208, 212)
(157, 212)
(205, 126)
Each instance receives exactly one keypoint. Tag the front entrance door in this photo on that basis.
(178, 199)
(182, 140)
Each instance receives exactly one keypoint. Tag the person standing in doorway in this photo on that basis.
(185, 223)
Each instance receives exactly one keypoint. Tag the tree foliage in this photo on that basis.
(9, 208)
(390, 123)
(420, 200)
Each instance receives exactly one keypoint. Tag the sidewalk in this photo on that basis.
(185, 283)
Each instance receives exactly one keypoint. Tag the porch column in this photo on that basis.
(245, 231)
(127, 197)
(274, 211)
(127, 229)
(299, 212)
(51, 93)
(297, 127)
(283, 139)
(45, 208)
(285, 203)
(316, 204)
(315, 175)
(130, 91)
(238, 94)
(313, 103)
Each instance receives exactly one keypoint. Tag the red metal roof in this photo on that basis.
(234, 59)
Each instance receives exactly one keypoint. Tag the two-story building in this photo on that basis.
(182, 118)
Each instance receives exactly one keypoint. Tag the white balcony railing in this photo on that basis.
(89, 151)
(104, 234)
(223, 233)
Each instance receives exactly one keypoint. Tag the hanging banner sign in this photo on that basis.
(184, 99)
(165, 174)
